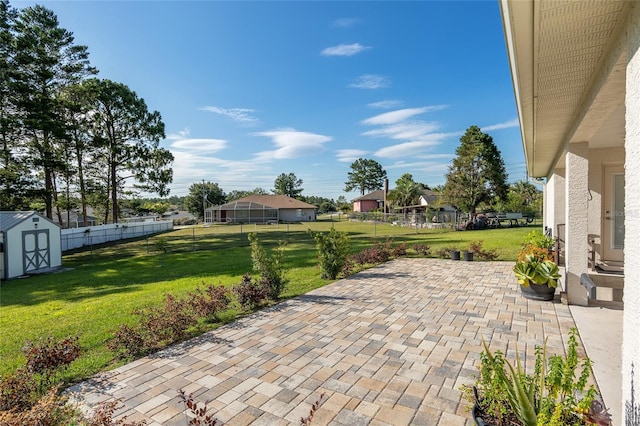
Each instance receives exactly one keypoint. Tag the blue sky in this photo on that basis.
(249, 90)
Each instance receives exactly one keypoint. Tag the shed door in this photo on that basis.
(35, 247)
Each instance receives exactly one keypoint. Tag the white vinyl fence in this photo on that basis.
(80, 237)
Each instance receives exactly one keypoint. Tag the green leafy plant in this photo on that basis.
(555, 393)
(538, 239)
(333, 251)
(535, 266)
(269, 266)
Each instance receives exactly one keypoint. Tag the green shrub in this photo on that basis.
(269, 266)
(333, 251)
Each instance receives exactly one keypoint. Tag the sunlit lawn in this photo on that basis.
(99, 288)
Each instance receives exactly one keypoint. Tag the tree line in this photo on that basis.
(475, 180)
(67, 138)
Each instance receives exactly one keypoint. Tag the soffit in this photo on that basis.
(556, 49)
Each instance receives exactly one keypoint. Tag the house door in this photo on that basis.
(613, 214)
(35, 247)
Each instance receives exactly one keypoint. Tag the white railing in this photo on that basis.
(80, 237)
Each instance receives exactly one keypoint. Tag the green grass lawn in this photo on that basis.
(99, 288)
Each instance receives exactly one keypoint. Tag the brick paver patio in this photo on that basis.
(388, 346)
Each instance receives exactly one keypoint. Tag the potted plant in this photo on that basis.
(467, 255)
(554, 393)
(455, 253)
(536, 271)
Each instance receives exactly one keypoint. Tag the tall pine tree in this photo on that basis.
(46, 61)
(477, 174)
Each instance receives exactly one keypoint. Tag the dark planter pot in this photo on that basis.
(468, 256)
(475, 410)
(455, 254)
(538, 292)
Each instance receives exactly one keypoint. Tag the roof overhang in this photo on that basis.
(568, 71)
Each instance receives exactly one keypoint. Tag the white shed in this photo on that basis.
(29, 244)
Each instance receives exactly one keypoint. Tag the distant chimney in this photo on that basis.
(386, 190)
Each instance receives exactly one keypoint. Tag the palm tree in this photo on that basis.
(406, 193)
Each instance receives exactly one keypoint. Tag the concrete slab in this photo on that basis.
(601, 333)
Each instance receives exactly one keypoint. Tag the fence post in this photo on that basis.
(193, 239)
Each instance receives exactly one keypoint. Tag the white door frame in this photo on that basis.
(612, 240)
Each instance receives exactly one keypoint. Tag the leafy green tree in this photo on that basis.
(326, 206)
(46, 60)
(365, 175)
(288, 184)
(237, 194)
(202, 195)
(407, 191)
(343, 204)
(477, 174)
(523, 197)
(126, 137)
(157, 207)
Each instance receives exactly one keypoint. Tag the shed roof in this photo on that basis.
(10, 219)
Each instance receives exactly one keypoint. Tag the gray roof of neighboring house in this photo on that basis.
(177, 214)
(377, 195)
(75, 216)
(429, 196)
(10, 219)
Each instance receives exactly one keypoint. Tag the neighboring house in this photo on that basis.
(375, 200)
(261, 209)
(74, 219)
(430, 200)
(576, 74)
(29, 244)
(371, 201)
(181, 216)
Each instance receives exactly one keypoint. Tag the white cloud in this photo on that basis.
(400, 115)
(418, 136)
(350, 155)
(242, 115)
(406, 130)
(505, 125)
(370, 81)
(346, 22)
(182, 141)
(410, 149)
(423, 166)
(385, 104)
(291, 143)
(201, 145)
(344, 50)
